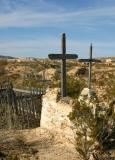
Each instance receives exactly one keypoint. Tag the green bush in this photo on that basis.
(3, 62)
(74, 86)
(93, 133)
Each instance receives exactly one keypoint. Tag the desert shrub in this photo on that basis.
(56, 76)
(94, 133)
(32, 83)
(70, 64)
(3, 62)
(101, 83)
(110, 89)
(74, 86)
(107, 82)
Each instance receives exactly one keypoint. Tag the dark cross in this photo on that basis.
(63, 57)
(90, 60)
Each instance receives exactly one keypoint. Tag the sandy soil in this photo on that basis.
(35, 144)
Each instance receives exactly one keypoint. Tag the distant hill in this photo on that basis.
(104, 58)
(6, 57)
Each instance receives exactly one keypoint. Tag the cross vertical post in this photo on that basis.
(90, 60)
(90, 68)
(63, 67)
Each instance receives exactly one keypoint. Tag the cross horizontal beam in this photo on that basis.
(89, 60)
(61, 56)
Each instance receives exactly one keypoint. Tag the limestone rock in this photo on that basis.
(88, 92)
(88, 95)
(48, 73)
(52, 94)
(55, 114)
(88, 98)
(85, 92)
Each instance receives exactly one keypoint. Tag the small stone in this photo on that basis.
(85, 92)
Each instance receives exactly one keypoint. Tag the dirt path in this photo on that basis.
(36, 144)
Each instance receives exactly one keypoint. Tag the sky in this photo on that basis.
(33, 28)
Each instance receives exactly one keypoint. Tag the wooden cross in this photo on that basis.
(63, 57)
(90, 60)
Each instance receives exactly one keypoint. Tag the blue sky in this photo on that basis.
(34, 27)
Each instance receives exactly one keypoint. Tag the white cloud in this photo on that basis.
(29, 17)
(44, 14)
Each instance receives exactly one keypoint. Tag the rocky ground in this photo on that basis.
(35, 144)
(40, 143)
